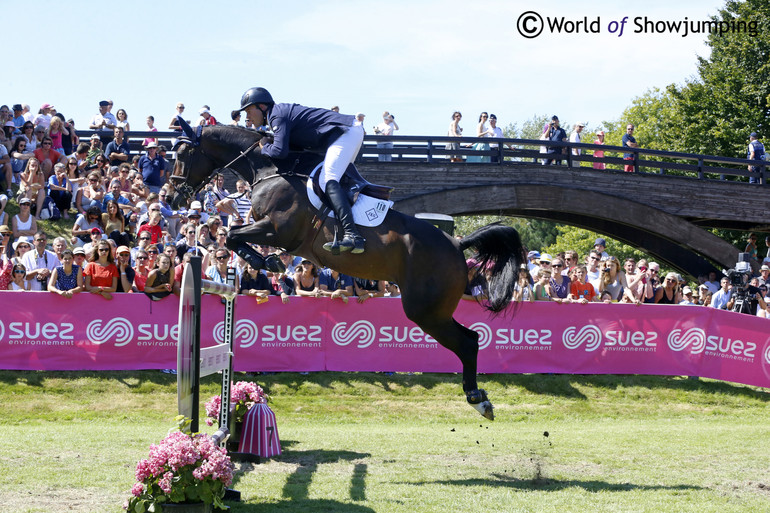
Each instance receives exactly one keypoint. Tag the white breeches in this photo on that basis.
(341, 154)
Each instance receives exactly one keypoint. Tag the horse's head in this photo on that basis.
(200, 151)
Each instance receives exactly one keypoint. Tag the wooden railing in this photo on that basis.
(520, 152)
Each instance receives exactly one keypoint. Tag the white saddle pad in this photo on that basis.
(367, 211)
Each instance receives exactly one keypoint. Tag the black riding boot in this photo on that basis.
(352, 240)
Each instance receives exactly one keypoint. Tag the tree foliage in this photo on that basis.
(714, 112)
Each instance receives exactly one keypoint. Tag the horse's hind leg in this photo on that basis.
(463, 342)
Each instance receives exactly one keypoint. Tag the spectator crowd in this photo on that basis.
(127, 238)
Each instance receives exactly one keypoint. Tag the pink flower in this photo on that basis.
(137, 489)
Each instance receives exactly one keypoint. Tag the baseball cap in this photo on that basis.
(79, 251)
(96, 229)
(193, 213)
(545, 257)
(25, 200)
(196, 205)
(686, 290)
(123, 249)
(600, 241)
(533, 254)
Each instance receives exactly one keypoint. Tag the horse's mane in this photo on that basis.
(230, 133)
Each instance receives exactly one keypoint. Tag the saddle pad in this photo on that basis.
(367, 211)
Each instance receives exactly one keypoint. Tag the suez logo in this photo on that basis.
(698, 342)
(591, 338)
(247, 333)
(364, 334)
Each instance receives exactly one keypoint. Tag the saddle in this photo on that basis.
(352, 182)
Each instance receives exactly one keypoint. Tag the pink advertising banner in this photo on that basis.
(41, 331)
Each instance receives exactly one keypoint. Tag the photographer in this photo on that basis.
(748, 300)
(557, 134)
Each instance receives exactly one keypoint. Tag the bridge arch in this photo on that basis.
(673, 240)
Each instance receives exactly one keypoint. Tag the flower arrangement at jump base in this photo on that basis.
(181, 469)
(243, 395)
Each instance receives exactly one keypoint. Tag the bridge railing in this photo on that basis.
(511, 152)
(517, 152)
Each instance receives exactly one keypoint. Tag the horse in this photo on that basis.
(428, 265)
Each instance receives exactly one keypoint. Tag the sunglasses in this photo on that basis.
(103, 250)
(557, 265)
(141, 258)
(152, 252)
(6, 234)
(19, 271)
(145, 238)
(222, 257)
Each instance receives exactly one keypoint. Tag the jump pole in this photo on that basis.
(193, 363)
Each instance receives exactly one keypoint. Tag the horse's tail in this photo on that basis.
(499, 250)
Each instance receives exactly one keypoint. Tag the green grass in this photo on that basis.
(362, 442)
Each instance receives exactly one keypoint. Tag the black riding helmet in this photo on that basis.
(256, 95)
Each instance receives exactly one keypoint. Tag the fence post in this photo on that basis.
(701, 174)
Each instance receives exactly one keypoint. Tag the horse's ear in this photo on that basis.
(187, 129)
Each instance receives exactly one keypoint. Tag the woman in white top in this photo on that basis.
(455, 131)
(387, 127)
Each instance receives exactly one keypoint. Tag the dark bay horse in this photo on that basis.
(428, 265)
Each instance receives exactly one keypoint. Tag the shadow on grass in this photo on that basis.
(557, 385)
(545, 484)
(297, 485)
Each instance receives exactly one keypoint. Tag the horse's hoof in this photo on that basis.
(273, 264)
(478, 399)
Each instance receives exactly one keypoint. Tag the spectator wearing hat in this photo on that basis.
(43, 118)
(153, 168)
(21, 246)
(764, 274)
(599, 154)
(96, 235)
(593, 271)
(386, 128)
(18, 117)
(118, 150)
(206, 117)
(543, 262)
(756, 151)
(197, 206)
(6, 253)
(126, 272)
(600, 246)
(39, 263)
(24, 223)
(575, 137)
(532, 257)
(687, 297)
(105, 121)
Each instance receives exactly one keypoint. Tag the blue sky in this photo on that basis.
(420, 60)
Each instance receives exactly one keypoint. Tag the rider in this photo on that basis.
(319, 131)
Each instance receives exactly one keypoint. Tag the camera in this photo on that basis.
(743, 293)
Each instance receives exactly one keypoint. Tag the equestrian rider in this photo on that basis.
(321, 131)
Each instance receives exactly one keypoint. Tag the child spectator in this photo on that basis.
(542, 290)
(153, 227)
(60, 189)
(160, 282)
(66, 279)
(19, 283)
(127, 273)
(580, 290)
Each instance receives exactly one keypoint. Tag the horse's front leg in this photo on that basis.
(240, 238)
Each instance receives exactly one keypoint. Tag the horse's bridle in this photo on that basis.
(186, 190)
